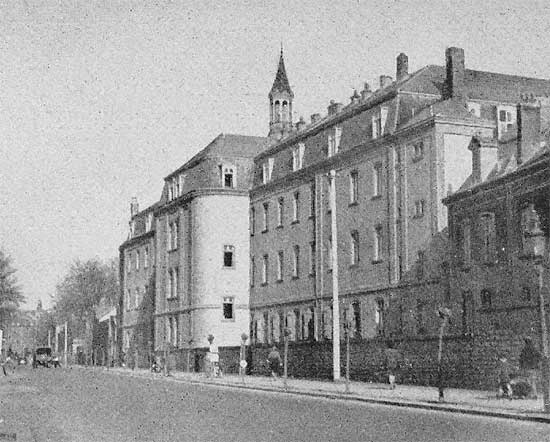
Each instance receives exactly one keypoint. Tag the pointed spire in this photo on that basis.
(281, 83)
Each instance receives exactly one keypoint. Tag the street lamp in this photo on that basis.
(347, 330)
(534, 248)
(285, 370)
(444, 314)
(242, 362)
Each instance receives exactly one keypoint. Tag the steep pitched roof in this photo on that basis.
(226, 145)
(281, 84)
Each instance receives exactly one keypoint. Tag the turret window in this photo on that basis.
(228, 176)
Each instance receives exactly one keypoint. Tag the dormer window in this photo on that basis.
(334, 140)
(379, 122)
(228, 176)
(176, 185)
(132, 228)
(267, 169)
(297, 157)
(181, 181)
(148, 222)
(506, 119)
(418, 150)
(170, 191)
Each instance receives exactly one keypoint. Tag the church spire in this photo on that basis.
(280, 103)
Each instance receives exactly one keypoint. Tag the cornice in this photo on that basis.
(189, 196)
(136, 239)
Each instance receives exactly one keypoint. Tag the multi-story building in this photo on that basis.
(494, 286)
(137, 282)
(395, 153)
(202, 248)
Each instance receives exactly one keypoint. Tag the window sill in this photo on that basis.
(228, 267)
(376, 197)
(279, 227)
(312, 275)
(311, 217)
(418, 216)
(172, 298)
(279, 281)
(228, 320)
(296, 221)
(377, 261)
(353, 203)
(263, 284)
(265, 231)
(294, 278)
(355, 265)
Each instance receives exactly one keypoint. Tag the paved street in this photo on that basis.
(94, 405)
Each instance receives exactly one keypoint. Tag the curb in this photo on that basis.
(351, 397)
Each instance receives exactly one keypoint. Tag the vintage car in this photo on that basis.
(42, 356)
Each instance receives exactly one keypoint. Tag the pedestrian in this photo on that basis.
(529, 363)
(505, 370)
(274, 361)
(392, 364)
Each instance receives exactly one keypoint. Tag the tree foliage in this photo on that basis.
(82, 289)
(10, 292)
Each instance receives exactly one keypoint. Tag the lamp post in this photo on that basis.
(347, 329)
(285, 361)
(534, 248)
(242, 362)
(444, 314)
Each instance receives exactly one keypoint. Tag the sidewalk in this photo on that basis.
(475, 402)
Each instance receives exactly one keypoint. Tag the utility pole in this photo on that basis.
(66, 347)
(335, 295)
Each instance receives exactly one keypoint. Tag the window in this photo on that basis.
(136, 298)
(148, 222)
(297, 157)
(465, 241)
(354, 249)
(228, 256)
(488, 237)
(296, 262)
(173, 283)
(353, 187)
(173, 231)
(334, 140)
(486, 298)
(379, 122)
(280, 212)
(467, 312)
(377, 180)
(170, 191)
(420, 265)
(128, 299)
(169, 281)
(146, 257)
(418, 148)
(252, 271)
(228, 176)
(506, 119)
(266, 217)
(280, 261)
(176, 184)
(526, 294)
(175, 331)
(137, 260)
(295, 207)
(264, 268)
(132, 229)
(228, 308)
(252, 221)
(379, 314)
(419, 207)
(420, 317)
(267, 169)
(312, 200)
(181, 179)
(356, 307)
(128, 262)
(312, 258)
(377, 252)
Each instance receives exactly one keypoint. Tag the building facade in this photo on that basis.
(137, 284)
(202, 248)
(395, 154)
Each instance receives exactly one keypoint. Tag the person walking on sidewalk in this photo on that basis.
(274, 361)
(529, 363)
(392, 363)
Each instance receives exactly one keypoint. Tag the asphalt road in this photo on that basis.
(93, 405)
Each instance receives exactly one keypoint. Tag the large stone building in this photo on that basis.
(396, 153)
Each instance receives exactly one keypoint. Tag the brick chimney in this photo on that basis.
(528, 141)
(366, 92)
(334, 108)
(484, 157)
(301, 124)
(454, 83)
(134, 207)
(315, 118)
(402, 66)
(355, 97)
(385, 80)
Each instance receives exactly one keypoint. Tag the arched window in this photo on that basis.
(277, 112)
(285, 112)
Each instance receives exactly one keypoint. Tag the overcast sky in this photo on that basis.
(100, 100)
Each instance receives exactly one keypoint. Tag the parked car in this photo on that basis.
(42, 356)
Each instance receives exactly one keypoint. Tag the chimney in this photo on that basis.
(484, 157)
(385, 81)
(334, 108)
(134, 207)
(454, 83)
(315, 118)
(402, 69)
(528, 141)
(355, 97)
(366, 92)
(301, 124)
